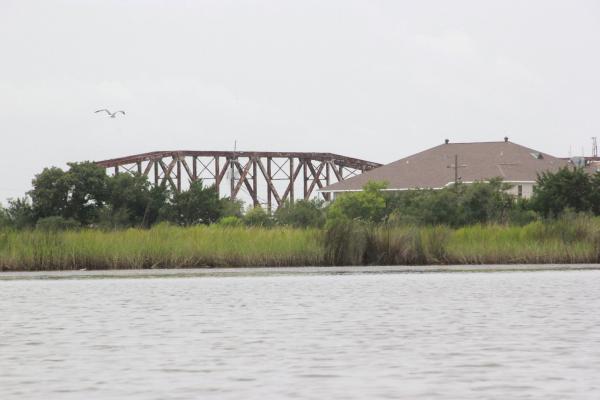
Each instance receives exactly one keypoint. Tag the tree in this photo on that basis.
(79, 193)
(457, 205)
(88, 191)
(595, 195)
(301, 214)
(367, 205)
(440, 207)
(50, 193)
(483, 202)
(133, 202)
(568, 188)
(20, 213)
(4, 218)
(197, 205)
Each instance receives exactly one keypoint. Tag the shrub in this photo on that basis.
(301, 214)
(257, 216)
(230, 222)
(197, 205)
(20, 213)
(567, 188)
(368, 205)
(232, 208)
(55, 223)
(4, 218)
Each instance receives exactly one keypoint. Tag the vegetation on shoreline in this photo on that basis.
(570, 239)
(566, 240)
(163, 246)
(85, 197)
(83, 219)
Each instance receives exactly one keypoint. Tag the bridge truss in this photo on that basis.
(266, 178)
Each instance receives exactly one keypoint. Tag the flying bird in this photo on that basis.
(112, 115)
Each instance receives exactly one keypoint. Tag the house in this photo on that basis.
(448, 163)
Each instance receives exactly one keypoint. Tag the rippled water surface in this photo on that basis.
(503, 335)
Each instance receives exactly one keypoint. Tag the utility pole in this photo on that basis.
(594, 146)
(455, 169)
(456, 166)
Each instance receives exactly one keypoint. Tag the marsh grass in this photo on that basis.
(566, 240)
(160, 247)
(574, 239)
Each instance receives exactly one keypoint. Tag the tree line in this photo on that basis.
(568, 190)
(84, 196)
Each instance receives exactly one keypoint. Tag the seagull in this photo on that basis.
(112, 115)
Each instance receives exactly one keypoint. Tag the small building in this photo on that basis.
(443, 165)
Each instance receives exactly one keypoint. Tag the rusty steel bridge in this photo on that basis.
(268, 178)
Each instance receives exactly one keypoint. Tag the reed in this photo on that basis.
(566, 240)
(160, 247)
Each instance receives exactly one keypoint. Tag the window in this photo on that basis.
(520, 190)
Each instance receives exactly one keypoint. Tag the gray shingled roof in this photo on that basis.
(434, 168)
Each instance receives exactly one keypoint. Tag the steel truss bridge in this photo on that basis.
(267, 178)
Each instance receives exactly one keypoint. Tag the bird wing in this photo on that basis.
(120, 111)
(104, 109)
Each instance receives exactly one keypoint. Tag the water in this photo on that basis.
(503, 335)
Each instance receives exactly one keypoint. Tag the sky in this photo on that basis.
(377, 80)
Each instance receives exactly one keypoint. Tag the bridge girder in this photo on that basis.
(276, 175)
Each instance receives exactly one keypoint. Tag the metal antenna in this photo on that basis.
(594, 146)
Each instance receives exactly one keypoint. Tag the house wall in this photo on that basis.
(526, 190)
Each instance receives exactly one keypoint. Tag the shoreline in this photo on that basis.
(275, 271)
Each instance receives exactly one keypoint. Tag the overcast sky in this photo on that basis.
(377, 80)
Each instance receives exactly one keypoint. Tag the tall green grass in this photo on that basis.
(567, 240)
(574, 239)
(159, 247)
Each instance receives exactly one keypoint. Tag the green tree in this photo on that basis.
(80, 193)
(4, 218)
(50, 193)
(20, 213)
(458, 205)
(568, 188)
(595, 193)
(366, 205)
(301, 214)
(132, 201)
(88, 191)
(197, 205)
(484, 202)
(441, 207)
